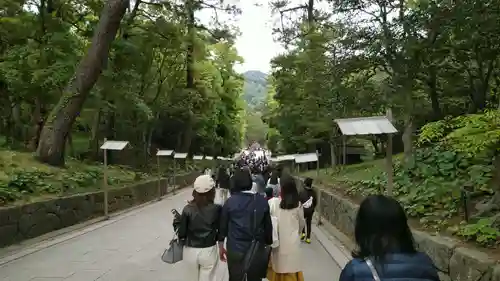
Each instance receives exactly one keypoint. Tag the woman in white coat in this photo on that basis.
(286, 212)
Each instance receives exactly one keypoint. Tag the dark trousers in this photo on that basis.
(235, 267)
(308, 216)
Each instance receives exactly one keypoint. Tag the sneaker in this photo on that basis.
(302, 236)
(308, 241)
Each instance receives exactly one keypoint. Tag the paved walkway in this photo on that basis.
(128, 248)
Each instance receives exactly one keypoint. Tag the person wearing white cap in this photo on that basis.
(198, 228)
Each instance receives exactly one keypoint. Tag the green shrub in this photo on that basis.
(30, 181)
(483, 232)
(454, 153)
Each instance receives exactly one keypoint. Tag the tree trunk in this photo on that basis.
(94, 136)
(188, 131)
(493, 205)
(37, 125)
(434, 95)
(70, 146)
(60, 121)
(407, 138)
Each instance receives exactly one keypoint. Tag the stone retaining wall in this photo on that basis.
(31, 220)
(454, 261)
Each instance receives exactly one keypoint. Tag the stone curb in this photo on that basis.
(332, 246)
(453, 260)
(27, 247)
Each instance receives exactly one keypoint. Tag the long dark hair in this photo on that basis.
(203, 199)
(274, 178)
(289, 193)
(222, 174)
(381, 229)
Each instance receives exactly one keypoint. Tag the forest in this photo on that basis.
(75, 72)
(433, 64)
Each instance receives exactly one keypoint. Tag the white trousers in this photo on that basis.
(201, 262)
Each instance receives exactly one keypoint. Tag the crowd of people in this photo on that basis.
(264, 218)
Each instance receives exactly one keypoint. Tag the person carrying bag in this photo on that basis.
(173, 254)
(245, 231)
(256, 258)
(286, 263)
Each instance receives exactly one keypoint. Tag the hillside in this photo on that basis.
(255, 87)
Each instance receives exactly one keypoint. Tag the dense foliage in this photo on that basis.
(423, 59)
(255, 88)
(433, 64)
(457, 155)
(254, 94)
(167, 80)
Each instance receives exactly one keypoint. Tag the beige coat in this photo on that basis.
(287, 257)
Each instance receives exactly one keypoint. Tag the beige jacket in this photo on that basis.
(286, 258)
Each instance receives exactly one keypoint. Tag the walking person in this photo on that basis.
(245, 217)
(198, 229)
(385, 246)
(274, 183)
(286, 263)
(309, 201)
(223, 182)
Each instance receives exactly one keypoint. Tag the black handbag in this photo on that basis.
(256, 259)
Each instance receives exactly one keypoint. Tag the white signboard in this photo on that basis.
(197, 157)
(288, 157)
(180, 155)
(164, 153)
(209, 158)
(114, 145)
(306, 158)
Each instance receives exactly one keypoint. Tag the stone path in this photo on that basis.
(128, 248)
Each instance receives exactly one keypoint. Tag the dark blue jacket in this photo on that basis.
(397, 267)
(236, 221)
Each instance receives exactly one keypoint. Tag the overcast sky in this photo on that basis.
(255, 44)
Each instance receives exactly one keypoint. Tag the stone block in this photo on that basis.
(443, 277)
(470, 265)
(495, 273)
(34, 219)
(439, 248)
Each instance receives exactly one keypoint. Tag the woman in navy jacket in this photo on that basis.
(385, 240)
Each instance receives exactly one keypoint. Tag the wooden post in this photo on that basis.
(344, 162)
(173, 177)
(105, 181)
(159, 174)
(317, 164)
(332, 156)
(388, 157)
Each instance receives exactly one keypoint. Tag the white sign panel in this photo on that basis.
(306, 158)
(180, 155)
(114, 145)
(164, 153)
(197, 157)
(286, 157)
(209, 158)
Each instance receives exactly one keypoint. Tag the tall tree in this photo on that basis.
(52, 143)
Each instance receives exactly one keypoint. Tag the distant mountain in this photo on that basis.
(255, 88)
